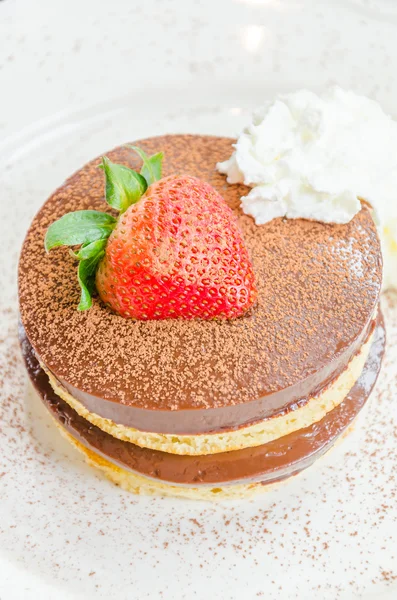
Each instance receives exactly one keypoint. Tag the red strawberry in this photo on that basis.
(174, 251)
(177, 252)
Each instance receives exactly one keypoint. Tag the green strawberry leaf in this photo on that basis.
(124, 186)
(90, 229)
(152, 165)
(90, 250)
(86, 276)
(80, 227)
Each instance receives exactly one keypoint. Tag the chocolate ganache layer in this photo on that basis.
(270, 462)
(318, 289)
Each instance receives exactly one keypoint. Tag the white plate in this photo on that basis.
(76, 80)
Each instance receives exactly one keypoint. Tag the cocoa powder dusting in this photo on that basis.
(318, 285)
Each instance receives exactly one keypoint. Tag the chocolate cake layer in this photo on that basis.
(318, 287)
(269, 462)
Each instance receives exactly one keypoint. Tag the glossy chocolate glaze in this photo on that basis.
(318, 288)
(266, 463)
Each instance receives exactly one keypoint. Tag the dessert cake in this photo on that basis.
(201, 404)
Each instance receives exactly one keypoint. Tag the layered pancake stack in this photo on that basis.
(208, 408)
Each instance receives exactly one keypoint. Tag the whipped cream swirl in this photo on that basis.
(314, 156)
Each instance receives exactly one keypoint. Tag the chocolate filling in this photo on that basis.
(272, 461)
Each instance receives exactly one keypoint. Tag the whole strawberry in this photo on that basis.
(175, 251)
